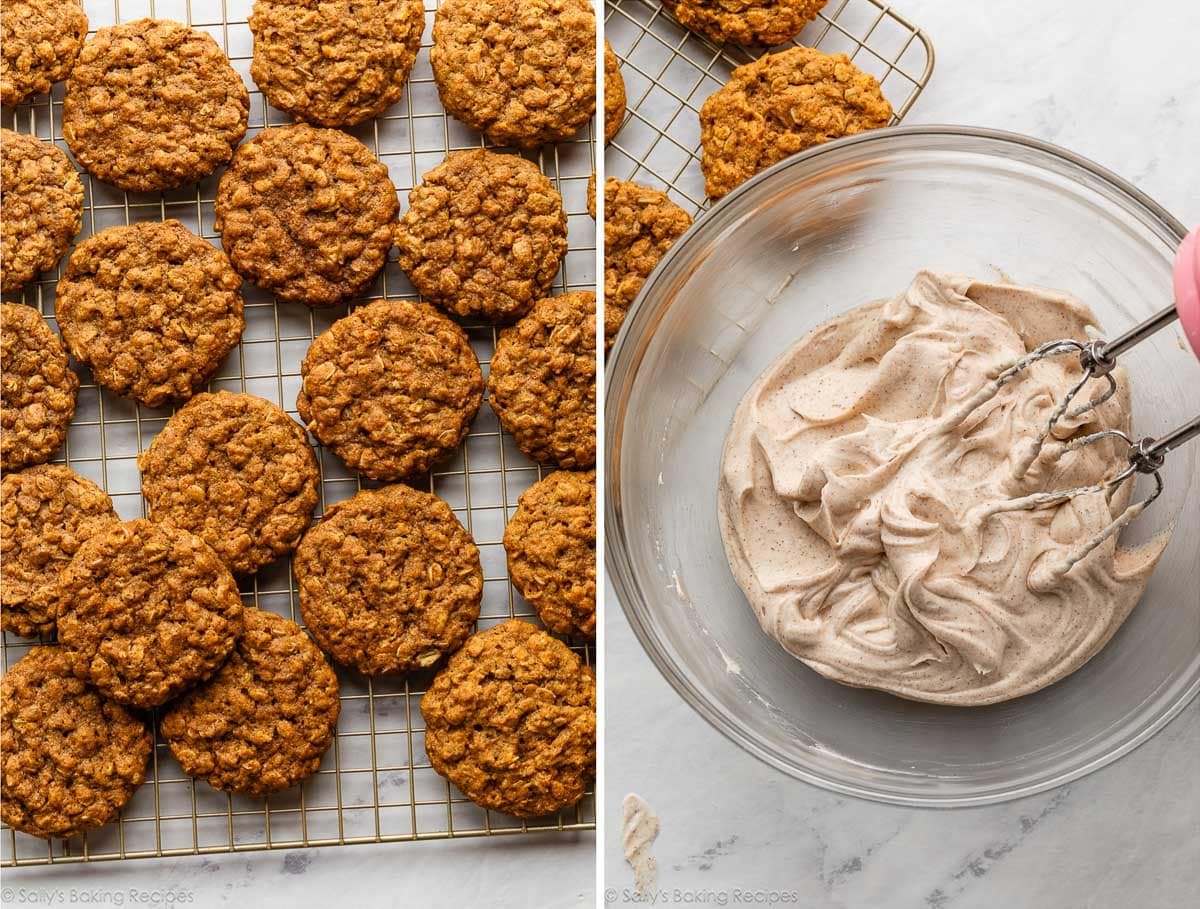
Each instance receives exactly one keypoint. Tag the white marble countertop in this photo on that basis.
(1119, 83)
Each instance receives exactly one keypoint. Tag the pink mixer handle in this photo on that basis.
(1187, 288)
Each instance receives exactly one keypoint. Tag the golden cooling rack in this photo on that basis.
(376, 784)
(669, 71)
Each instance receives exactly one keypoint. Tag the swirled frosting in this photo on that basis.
(859, 492)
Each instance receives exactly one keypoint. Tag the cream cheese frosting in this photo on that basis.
(862, 495)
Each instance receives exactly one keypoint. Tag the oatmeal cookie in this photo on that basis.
(389, 580)
(640, 225)
(765, 22)
(484, 235)
(41, 209)
(261, 724)
(72, 758)
(511, 721)
(782, 104)
(37, 399)
(392, 388)
(145, 611)
(41, 40)
(551, 546)
(614, 94)
(522, 72)
(153, 105)
(542, 383)
(46, 513)
(238, 472)
(334, 62)
(152, 308)
(306, 213)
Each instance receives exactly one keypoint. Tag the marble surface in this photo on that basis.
(1120, 84)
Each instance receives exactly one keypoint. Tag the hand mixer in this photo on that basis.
(1097, 359)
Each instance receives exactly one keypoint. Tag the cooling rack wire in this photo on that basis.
(375, 784)
(669, 71)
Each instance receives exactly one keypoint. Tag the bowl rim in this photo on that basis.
(618, 565)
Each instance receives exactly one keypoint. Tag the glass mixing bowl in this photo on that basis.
(815, 235)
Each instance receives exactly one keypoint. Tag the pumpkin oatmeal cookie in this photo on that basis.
(511, 721)
(153, 105)
(542, 382)
(391, 388)
(151, 308)
(37, 388)
(41, 40)
(782, 104)
(46, 513)
(614, 94)
(262, 723)
(238, 472)
(484, 235)
(765, 22)
(389, 581)
(551, 546)
(522, 72)
(145, 611)
(72, 758)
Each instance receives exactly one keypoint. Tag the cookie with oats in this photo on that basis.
(391, 388)
(765, 22)
(614, 93)
(389, 581)
(262, 723)
(41, 39)
(37, 388)
(522, 72)
(153, 105)
(151, 308)
(511, 721)
(782, 104)
(72, 758)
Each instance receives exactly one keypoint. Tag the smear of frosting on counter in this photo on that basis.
(859, 487)
(639, 827)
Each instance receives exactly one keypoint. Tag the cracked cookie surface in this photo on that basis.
(391, 388)
(614, 94)
(511, 721)
(782, 104)
(151, 308)
(145, 611)
(46, 513)
(334, 63)
(522, 72)
(542, 381)
(262, 723)
(551, 547)
(41, 39)
(765, 22)
(389, 580)
(306, 213)
(484, 235)
(72, 758)
(238, 472)
(37, 388)
(153, 105)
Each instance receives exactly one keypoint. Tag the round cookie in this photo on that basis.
(306, 213)
(614, 93)
(334, 63)
(37, 388)
(522, 72)
(391, 388)
(261, 724)
(41, 39)
(511, 721)
(153, 105)
(72, 758)
(238, 472)
(145, 611)
(46, 513)
(151, 308)
(484, 235)
(389, 580)
(42, 208)
(551, 546)
(542, 382)
(782, 104)
(640, 225)
(765, 22)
